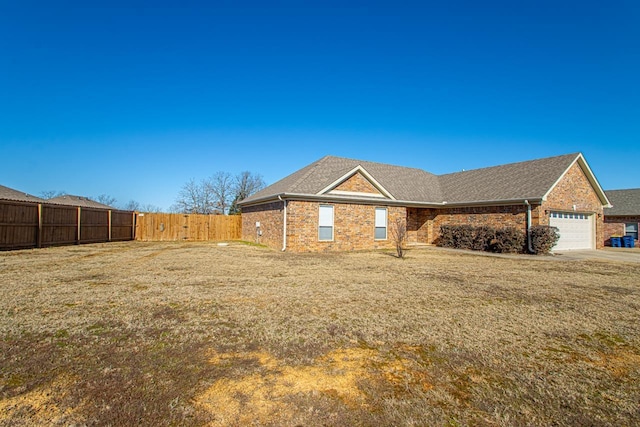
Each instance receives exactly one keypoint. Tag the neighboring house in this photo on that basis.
(623, 218)
(344, 204)
(83, 202)
(7, 193)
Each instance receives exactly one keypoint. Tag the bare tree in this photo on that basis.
(50, 194)
(105, 199)
(131, 205)
(150, 208)
(399, 235)
(220, 186)
(246, 184)
(195, 198)
(219, 193)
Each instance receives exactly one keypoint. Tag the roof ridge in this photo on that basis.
(361, 163)
(624, 189)
(310, 170)
(575, 155)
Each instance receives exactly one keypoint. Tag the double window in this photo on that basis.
(326, 219)
(631, 229)
(325, 223)
(381, 224)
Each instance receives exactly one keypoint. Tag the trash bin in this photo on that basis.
(616, 242)
(628, 241)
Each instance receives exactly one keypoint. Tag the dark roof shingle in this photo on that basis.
(523, 180)
(71, 200)
(531, 180)
(403, 183)
(624, 202)
(7, 193)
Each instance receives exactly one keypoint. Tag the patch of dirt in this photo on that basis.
(260, 396)
(40, 406)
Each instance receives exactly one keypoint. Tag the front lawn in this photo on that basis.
(142, 333)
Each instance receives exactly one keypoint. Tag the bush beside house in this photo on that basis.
(499, 240)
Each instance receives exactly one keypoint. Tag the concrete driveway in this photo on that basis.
(607, 254)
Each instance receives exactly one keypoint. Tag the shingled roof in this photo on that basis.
(7, 193)
(514, 181)
(71, 200)
(530, 180)
(403, 183)
(625, 202)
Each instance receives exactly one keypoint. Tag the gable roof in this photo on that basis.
(71, 200)
(7, 193)
(531, 180)
(399, 182)
(625, 202)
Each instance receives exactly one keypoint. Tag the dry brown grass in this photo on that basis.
(196, 334)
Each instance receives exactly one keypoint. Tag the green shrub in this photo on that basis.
(543, 238)
(509, 240)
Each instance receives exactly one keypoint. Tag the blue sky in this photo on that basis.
(133, 99)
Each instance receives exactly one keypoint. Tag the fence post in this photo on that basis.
(109, 219)
(39, 236)
(78, 231)
(133, 225)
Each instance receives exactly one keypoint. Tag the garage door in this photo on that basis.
(576, 230)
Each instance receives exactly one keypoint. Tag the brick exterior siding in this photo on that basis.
(615, 226)
(270, 216)
(420, 225)
(574, 189)
(494, 216)
(354, 227)
(358, 183)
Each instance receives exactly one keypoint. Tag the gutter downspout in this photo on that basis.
(526, 202)
(284, 222)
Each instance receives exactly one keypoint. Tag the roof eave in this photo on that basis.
(502, 202)
(390, 202)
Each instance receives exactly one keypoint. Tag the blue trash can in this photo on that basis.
(628, 241)
(616, 242)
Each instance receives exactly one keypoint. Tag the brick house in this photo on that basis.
(623, 218)
(345, 204)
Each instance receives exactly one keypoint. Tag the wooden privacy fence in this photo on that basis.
(34, 225)
(161, 226)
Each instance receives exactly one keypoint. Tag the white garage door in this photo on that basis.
(576, 230)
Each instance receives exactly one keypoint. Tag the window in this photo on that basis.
(325, 223)
(631, 229)
(381, 224)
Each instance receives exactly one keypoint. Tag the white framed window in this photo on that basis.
(381, 224)
(631, 229)
(325, 223)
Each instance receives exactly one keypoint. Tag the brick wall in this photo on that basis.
(358, 183)
(574, 189)
(270, 216)
(420, 225)
(615, 225)
(493, 216)
(354, 227)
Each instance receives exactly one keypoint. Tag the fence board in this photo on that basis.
(163, 227)
(18, 225)
(59, 225)
(122, 225)
(94, 225)
(29, 225)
